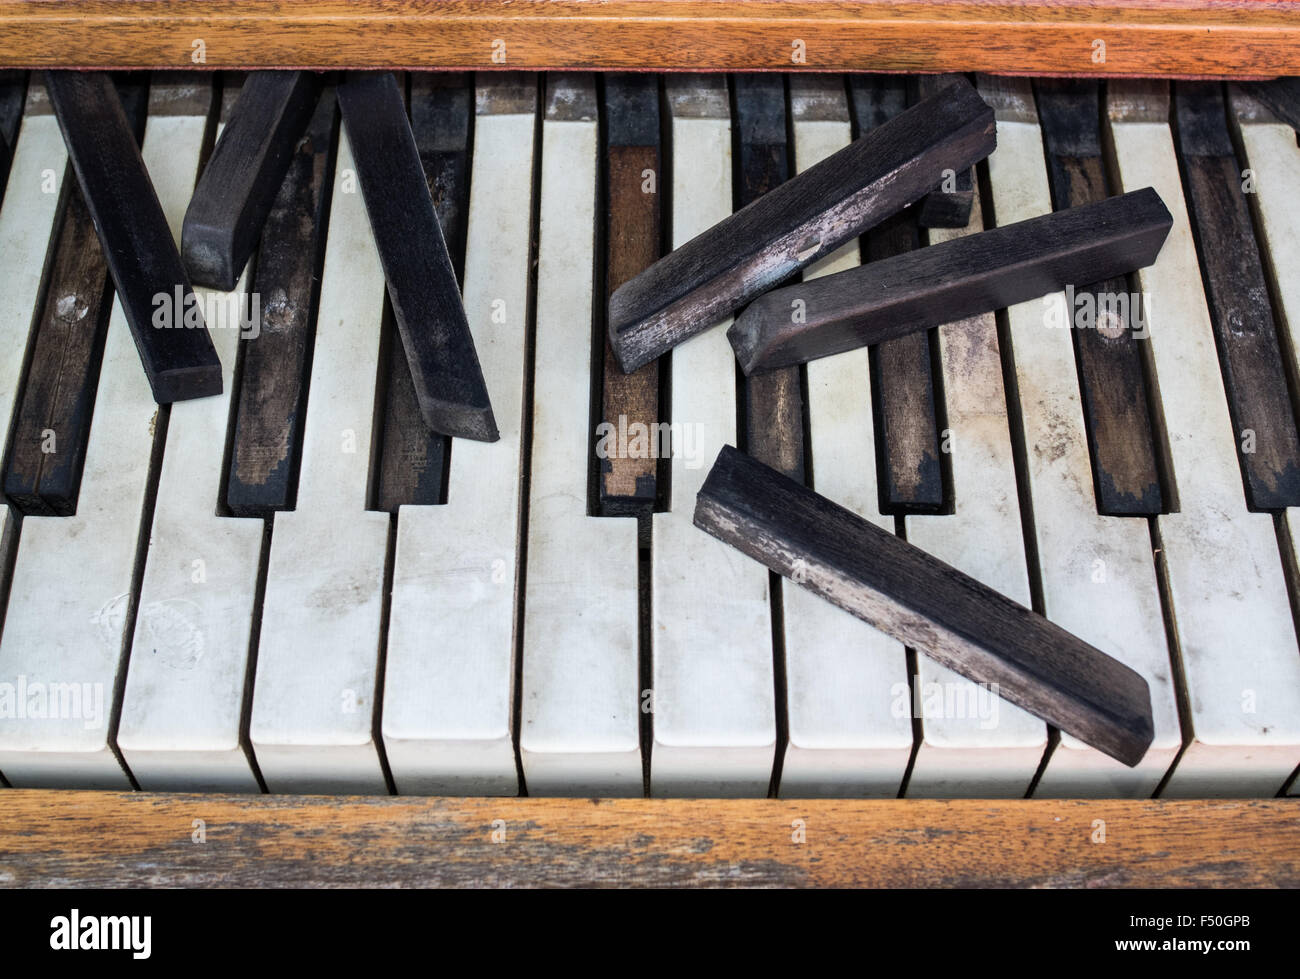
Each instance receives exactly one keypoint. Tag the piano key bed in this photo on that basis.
(294, 588)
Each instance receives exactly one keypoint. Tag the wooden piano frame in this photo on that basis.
(74, 838)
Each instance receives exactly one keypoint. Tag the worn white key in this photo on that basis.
(449, 678)
(1233, 619)
(64, 634)
(974, 743)
(1098, 573)
(31, 202)
(314, 693)
(845, 680)
(183, 701)
(714, 715)
(580, 718)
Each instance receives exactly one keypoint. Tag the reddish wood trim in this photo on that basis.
(1142, 37)
(51, 838)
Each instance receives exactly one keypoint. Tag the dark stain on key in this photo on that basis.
(1117, 408)
(1245, 330)
(272, 403)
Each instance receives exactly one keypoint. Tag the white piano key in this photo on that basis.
(580, 730)
(974, 743)
(449, 677)
(1230, 607)
(713, 696)
(844, 679)
(1273, 161)
(71, 595)
(1098, 572)
(183, 701)
(31, 201)
(318, 653)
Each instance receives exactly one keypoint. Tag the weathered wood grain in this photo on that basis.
(628, 481)
(772, 402)
(179, 359)
(926, 604)
(422, 286)
(1241, 311)
(1204, 37)
(1126, 480)
(951, 280)
(266, 448)
(123, 839)
(719, 270)
(244, 175)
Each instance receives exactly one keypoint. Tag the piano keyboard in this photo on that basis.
(539, 615)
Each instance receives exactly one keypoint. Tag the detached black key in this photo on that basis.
(244, 174)
(165, 319)
(773, 401)
(1241, 312)
(13, 92)
(926, 604)
(1116, 408)
(52, 425)
(267, 445)
(902, 370)
(718, 271)
(422, 285)
(952, 280)
(413, 460)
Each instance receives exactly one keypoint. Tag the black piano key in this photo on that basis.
(628, 482)
(1264, 426)
(413, 460)
(926, 604)
(1280, 96)
(266, 443)
(916, 290)
(1117, 408)
(948, 205)
(164, 316)
(902, 370)
(244, 175)
(773, 402)
(51, 429)
(809, 216)
(422, 284)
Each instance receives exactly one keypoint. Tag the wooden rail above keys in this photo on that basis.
(98, 839)
(1219, 38)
